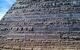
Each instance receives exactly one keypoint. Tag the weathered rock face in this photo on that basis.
(41, 25)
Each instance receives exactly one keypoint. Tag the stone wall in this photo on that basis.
(41, 25)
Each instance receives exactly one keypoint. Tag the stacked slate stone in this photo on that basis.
(41, 25)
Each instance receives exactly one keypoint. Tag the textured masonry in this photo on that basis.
(41, 25)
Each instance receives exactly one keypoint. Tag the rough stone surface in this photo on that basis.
(41, 25)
